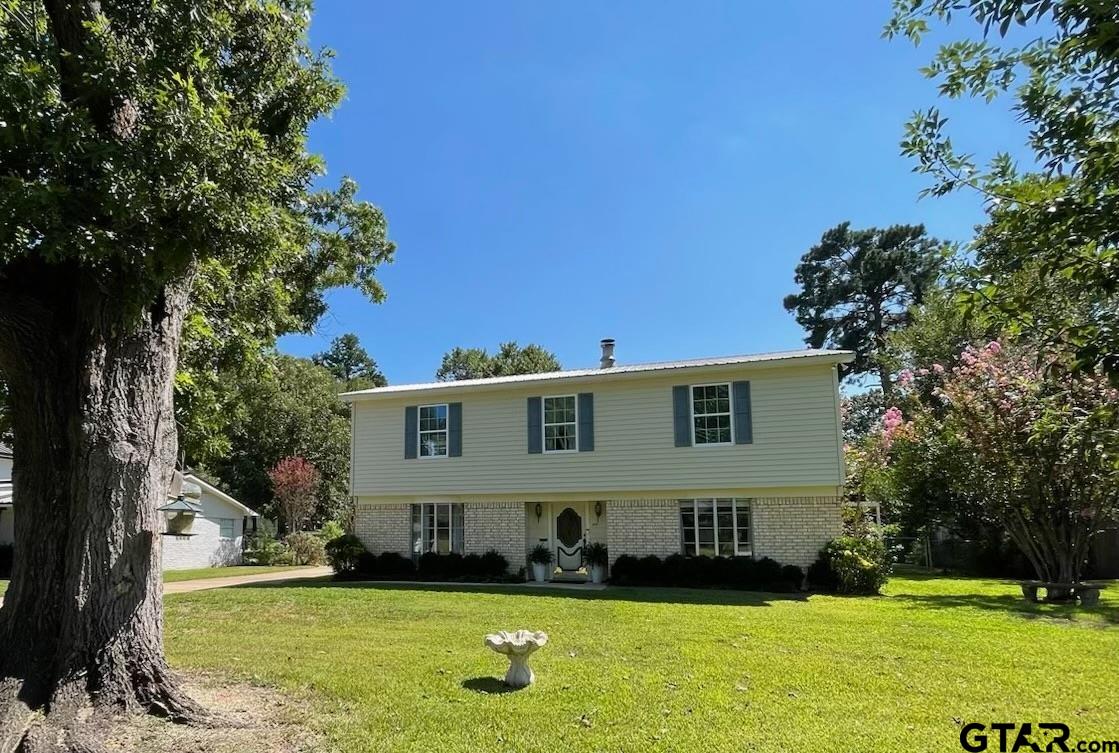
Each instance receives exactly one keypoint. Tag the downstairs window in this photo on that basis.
(715, 527)
(436, 527)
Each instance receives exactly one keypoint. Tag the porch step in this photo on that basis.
(569, 578)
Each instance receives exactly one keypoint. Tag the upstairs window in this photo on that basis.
(560, 424)
(711, 415)
(715, 527)
(433, 431)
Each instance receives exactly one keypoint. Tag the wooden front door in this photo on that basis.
(569, 539)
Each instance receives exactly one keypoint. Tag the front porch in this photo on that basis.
(565, 529)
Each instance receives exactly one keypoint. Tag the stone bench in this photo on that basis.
(1087, 593)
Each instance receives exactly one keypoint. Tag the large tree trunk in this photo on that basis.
(91, 381)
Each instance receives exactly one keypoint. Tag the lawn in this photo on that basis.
(403, 668)
(203, 573)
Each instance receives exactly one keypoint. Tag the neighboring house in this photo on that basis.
(209, 535)
(722, 456)
(214, 537)
(6, 533)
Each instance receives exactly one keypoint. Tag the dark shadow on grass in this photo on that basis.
(1012, 604)
(487, 686)
(715, 597)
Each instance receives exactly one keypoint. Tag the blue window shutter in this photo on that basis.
(535, 425)
(586, 421)
(454, 430)
(743, 421)
(682, 415)
(411, 431)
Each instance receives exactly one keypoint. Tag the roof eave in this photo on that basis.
(595, 375)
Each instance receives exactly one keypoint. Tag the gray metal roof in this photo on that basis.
(769, 359)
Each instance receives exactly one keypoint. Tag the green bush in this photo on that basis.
(851, 565)
(262, 549)
(343, 553)
(741, 573)
(330, 531)
(306, 548)
(596, 554)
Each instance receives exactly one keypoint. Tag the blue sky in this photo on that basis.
(649, 171)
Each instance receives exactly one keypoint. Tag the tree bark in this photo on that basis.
(90, 373)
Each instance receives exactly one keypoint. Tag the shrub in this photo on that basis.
(330, 530)
(262, 549)
(854, 565)
(742, 573)
(434, 566)
(306, 548)
(394, 566)
(494, 565)
(344, 553)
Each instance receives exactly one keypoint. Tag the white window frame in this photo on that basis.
(544, 424)
(425, 532)
(734, 503)
(232, 529)
(729, 414)
(446, 432)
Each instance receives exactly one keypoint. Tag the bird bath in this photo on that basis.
(518, 647)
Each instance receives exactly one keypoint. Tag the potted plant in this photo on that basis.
(598, 558)
(541, 558)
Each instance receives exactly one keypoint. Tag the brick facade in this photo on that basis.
(792, 530)
(385, 528)
(640, 527)
(495, 525)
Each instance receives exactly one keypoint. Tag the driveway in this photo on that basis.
(204, 584)
(185, 586)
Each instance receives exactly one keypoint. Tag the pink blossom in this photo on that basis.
(994, 346)
(922, 372)
(937, 368)
(905, 378)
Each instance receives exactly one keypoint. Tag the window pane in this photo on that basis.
(456, 528)
(742, 512)
(706, 542)
(417, 529)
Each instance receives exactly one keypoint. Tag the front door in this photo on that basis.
(569, 539)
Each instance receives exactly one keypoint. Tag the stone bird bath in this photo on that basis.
(518, 647)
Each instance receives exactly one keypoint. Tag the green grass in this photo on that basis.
(403, 668)
(203, 573)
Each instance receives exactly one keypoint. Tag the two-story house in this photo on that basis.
(739, 455)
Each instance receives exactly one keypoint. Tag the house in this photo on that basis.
(203, 525)
(739, 455)
(6, 533)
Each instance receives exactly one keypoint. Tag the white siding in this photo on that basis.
(206, 548)
(796, 440)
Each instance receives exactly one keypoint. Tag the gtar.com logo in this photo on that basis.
(1010, 737)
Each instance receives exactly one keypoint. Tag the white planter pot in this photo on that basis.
(540, 572)
(598, 573)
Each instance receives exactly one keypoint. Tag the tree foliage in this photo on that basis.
(153, 172)
(1060, 217)
(476, 363)
(287, 408)
(1024, 450)
(350, 364)
(857, 287)
(295, 484)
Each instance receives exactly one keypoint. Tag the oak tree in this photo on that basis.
(154, 168)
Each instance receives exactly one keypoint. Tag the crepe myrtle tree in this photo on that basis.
(295, 483)
(1017, 443)
(144, 148)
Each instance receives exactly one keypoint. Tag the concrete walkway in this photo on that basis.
(205, 584)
